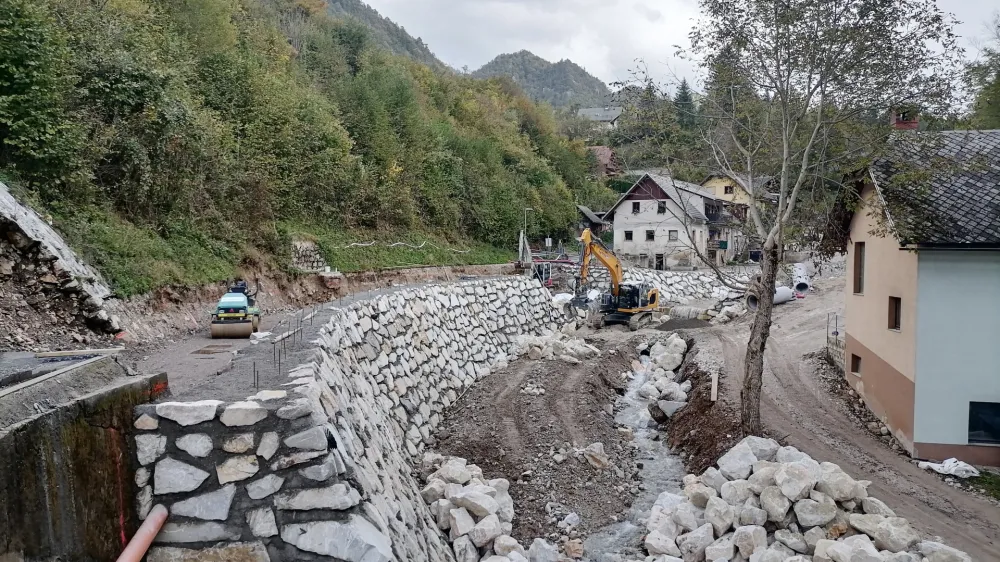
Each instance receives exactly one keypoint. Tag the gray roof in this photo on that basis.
(960, 171)
(668, 186)
(602, 114)
(591, 216)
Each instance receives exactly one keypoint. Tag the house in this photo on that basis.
(661, 223)
(604, 117)
(608, 164)
(923, 308)
(590, 219)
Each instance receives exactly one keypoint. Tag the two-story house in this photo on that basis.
(604, 117)
(923, 313)
(659, 222)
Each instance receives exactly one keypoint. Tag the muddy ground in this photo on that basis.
(798, 409)
(514, 435)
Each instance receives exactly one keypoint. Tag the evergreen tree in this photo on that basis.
(684, 103)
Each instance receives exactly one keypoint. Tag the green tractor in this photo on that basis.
(236, 315)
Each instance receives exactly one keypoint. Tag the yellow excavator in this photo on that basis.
(626, 303)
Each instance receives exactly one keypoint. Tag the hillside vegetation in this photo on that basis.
(384, 32)
(561, 84)
(174, 141)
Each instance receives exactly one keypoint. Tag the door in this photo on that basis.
(659, 262)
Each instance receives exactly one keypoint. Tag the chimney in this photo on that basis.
(904, 119)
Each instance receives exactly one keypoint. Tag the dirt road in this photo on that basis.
(796, 407)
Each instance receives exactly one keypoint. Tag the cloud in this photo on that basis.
(606, 37)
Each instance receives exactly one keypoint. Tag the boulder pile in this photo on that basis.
(768, 503)
(554, 345)
(661, 386)
(476, 514)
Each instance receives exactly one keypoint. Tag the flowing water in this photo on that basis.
(662, 471)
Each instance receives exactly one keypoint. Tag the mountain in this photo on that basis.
(561, 84)
(385, 32)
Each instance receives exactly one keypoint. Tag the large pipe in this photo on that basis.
(800, 278)
(140, 542)
(781, 296)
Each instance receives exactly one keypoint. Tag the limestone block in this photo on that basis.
(146, 422)
(195, 444)
(312, 439)
(265, 486)
(339, 496)
(237, 468)
(149, 447)
(261, 522)
(188, 413)
(269, 443)
(213, 506)
(355, 540)
(196, 532)
(172, 476)
(234, 552)
(242, 414)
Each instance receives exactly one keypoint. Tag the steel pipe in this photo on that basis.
(781, 296)
(140, 542)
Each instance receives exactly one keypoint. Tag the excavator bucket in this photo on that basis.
(232, 329)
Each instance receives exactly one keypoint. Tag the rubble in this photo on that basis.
(553, 345)
(791, 509)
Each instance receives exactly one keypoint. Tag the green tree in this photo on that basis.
(984, 76)
(684, 104)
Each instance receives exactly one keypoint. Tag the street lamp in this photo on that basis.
(526, 209)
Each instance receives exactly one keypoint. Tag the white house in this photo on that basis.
(659, 222)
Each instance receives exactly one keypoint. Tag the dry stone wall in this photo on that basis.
(675, 286)
(307, 257)
(324, 469)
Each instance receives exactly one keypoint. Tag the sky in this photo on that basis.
(606, 37)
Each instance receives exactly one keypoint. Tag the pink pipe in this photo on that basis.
(140, 542)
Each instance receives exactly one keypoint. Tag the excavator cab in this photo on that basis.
(626, 303)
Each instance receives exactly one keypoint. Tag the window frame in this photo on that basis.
(856, 365)
(650, 236)
(858, 279)
(661, 207)
(636, 208)
(628, 235)
(973, 414)
(673, 236)
(895, 314)
(729, 190)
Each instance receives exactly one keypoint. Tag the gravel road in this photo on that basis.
(796, 405)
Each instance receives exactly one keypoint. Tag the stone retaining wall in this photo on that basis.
(307, 257)
(675, 286)
(324, 471)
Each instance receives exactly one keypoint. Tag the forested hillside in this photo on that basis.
(173, 141)
(384, 32)
(561, 84)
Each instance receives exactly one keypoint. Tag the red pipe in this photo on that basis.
(140, 542)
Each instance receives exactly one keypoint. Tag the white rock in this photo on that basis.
(144, 501)
(479, 504)
(722, 549)
(750, 515)
(720, 514)
(937, 552)
(657, 543)
(693, 544)
(713, 478)
(790, 454)
(835, 483)
(312, 439)
(794, 541)
(876, 507)
(750, 539)
(764, 449)
(269, 443)
(323, 471)
(239, 443)
(649, 391)
(355, 540)
(465, 551)
(242, 414)
(338, 497)
(699, 494)
(595, 455)
(213, 506)
(542, 550)
(237, 468)
(171, 476)
(453, 470)
(196, 532)
(815, 511)
(858, 548)
(460, 522)
(485, 531)
(146, 422)
(265, 486)
(795, 480)
(867, 524)
(688, 517)
(505, 544)
(262, 523)
(188, 413)
(149, 447)
(196, 444)
(775, 503)
(737, 462)
(895, 534)
(433, 491)
(735, 492)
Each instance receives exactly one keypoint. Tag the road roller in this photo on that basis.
(236, 316)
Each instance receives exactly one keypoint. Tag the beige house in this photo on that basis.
(923, 315)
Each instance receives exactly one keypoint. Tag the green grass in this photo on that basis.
(988, 481)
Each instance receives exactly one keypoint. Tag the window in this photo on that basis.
(729, 190)
(855, 365)
(859, 268)
(984, 422)
(661, 207)
(635, 208)
(659, 262)
(628, 235)
(650, 235)
(672, 235)
(643, 260)
(895, 310)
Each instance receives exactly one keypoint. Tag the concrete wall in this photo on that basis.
(958, 348)
(65, 483)
(385, 372)
(887, 356)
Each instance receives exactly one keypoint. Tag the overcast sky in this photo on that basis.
(603, 36)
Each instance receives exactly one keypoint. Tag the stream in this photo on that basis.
(662, 471)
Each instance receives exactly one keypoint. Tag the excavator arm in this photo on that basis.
(592, 247)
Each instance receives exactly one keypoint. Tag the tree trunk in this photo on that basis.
(760, 329)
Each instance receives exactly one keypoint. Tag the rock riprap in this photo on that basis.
(325, 469)
(658, 363)
(768, 503)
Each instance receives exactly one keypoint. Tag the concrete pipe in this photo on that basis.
(800, 278)
(781, 296)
